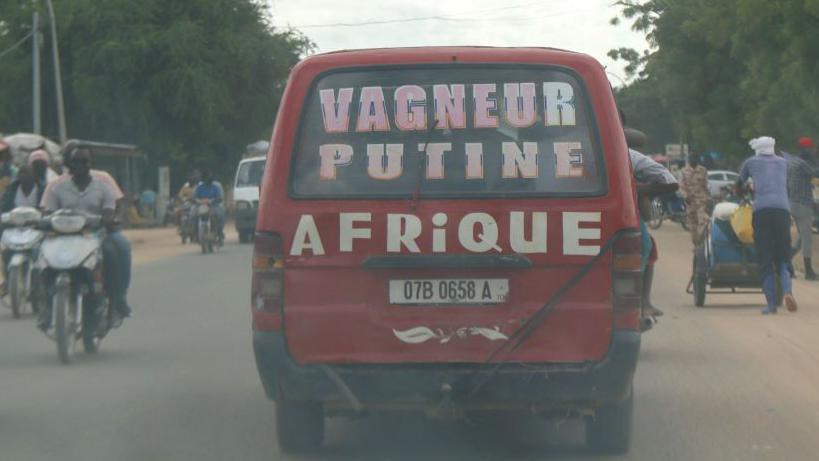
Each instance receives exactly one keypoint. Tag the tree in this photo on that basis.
(15, 66)
(641, 103)
(191, 82)
(729, 70)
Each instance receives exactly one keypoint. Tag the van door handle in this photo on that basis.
(448, 262)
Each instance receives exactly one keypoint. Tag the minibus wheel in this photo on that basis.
(609, 430)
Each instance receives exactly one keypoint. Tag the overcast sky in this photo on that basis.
(578, 25)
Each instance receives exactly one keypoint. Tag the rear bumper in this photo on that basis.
(539, 387)
(245, 219)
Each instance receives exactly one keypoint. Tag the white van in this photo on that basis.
(246, 195)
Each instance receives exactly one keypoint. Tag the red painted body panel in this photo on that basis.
(336, 311)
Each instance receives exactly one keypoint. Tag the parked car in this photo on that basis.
(718, 179)
(450, 231)
(246, 196)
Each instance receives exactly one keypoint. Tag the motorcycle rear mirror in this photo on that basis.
(635, 138)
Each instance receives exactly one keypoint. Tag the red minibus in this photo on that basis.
(449, 231)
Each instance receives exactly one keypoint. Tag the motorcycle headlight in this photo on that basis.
(21, 216)
(242, 205)
(68, 224)
(203, 209)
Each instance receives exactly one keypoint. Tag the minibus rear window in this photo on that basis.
(447, 132)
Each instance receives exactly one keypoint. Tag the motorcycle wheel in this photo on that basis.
(657, 215)
(203, 237)
(90, 321)
(65, 323)
(37, 296)
(16, 289)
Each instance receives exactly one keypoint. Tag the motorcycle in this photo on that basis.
(206, 226)
(170, 213)
(671, 208)
(186, 225)
(71, 263)
(20, 244)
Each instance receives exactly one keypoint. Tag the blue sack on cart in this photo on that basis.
(725, 245)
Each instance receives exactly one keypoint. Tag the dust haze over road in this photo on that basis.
(178, 382)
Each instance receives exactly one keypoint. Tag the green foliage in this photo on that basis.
(191, 82)
(15, 66)
(641, 104)
(729, 70)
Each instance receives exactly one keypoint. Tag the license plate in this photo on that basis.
(449, 291)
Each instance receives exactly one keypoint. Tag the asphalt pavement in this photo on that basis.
(178, 382)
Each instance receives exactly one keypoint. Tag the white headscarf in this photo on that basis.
(764, 145)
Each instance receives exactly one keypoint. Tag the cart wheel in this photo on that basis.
(700, 276)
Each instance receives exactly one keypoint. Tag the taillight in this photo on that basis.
(267, 286)
(627, 281)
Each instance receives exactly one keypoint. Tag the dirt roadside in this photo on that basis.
(154, 244)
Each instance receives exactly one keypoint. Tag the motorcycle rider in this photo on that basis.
(185, 195)
(85, 191)
(40, 162)
(23, 191)
(187, 190)
(7, 169)
(211, 191)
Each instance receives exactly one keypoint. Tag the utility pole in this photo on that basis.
(58, 79)
(35, 78)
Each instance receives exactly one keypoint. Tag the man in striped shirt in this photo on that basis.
(800, 193)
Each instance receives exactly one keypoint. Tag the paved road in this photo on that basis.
(179, 383)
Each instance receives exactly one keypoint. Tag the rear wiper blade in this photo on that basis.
(536, 320)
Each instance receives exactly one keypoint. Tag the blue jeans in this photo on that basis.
(645, 245)
(769, 285)
(772, 240)
(117, 257)
(219, 214)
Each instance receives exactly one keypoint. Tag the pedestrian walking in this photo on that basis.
(771, 220)
(694, 189)
(801, 173)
